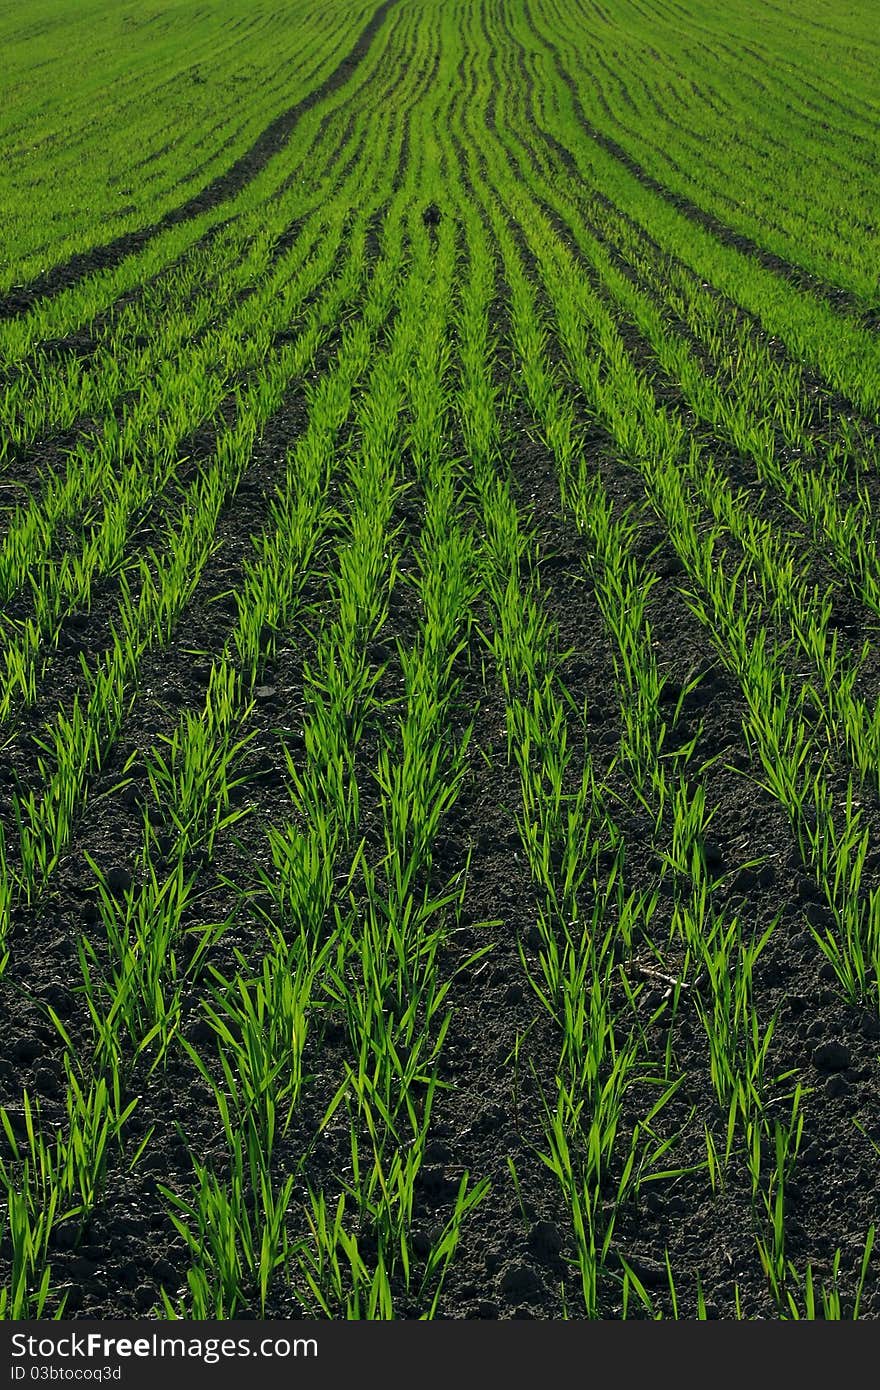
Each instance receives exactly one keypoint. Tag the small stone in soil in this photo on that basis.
(46, 1082)
(118, 879)
(26, 1049)
(437, 1151)
(831, 1056)
(650, 1272)
(545, 1239)
(519, 1281)
(484, 1310)
(200, 1033)
(421, 1244)
(59, 998)
(837, 1085)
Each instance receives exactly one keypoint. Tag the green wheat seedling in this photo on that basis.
(804, 492)
(74, 747)
(576, 963)
(192, 780)
(834, 845)
(738, 1046)
(96, 1117)
(580, 1179)
(686, 856)
(838, 846)
(571, 311)
(79, 214)
(19, 680)
(851, 724)
(769, 1198)
(622, 586)
(338, 1279)
(34, 1181)
(148, 331)
(236, 1228)
(338, 1282)
(563, 832)
(7, 895)
(277, 573)
(133, 984)
(804, 1301)
(808, 328)
(744, 647)
(582, 1126)
(788, 753)
(443, 1246)
(571, 956)
(358, 610)
(430, 393)
(260, 1024)
(397, 1022)
(341, 681)
(520, 638)
(400, 938)
(236, 1232)
(417, 792)
(30, 1279)
(295, 896)
(383, 1185)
